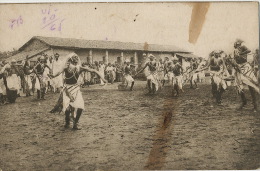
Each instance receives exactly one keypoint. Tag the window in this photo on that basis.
(119, 59)
(132, 59)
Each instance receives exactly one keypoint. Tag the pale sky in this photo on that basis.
(155, 23)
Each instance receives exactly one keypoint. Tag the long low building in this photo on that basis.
(96, 50)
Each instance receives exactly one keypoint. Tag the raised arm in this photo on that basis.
(93, 70)
(142, 69)
(206, 66)
(225, 66)
(48, 67)
(57, 74)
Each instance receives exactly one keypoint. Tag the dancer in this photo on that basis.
(193, 75)
(128, 79)
(160, 69)
(40, 84)
(217, 68)
(152, 80)
(244, 74)
(177, 78)
(72, 100)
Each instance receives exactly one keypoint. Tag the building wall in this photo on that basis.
(62, 52)
(98, 55)
(128, 55)
(35, 44)
(114, 56)
(83, 54)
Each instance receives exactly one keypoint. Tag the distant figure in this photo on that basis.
(193, 75)
(177, 78)
(217, 68)
(101, 69)
(110, 72)
(87, 76)
(13, 82)
(40, 84)
(160, 69)
(27, 77)
(128, 79)
(186, 70)
(3, 75)
(201, 74)
(119, 72)
(152, 77)
(56, 67)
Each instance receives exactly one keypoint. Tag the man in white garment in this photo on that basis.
(101, 69)
(3, 92)
(56, 67)
(27, 78)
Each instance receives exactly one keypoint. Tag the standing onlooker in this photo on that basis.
(101, 69)
(27, 77)
(94, 76)
(119, 72)
(3, 75)
(87, 75)
(110, 71)
(56, 67)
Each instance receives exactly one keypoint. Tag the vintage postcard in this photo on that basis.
(129, 86)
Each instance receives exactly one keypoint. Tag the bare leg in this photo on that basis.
(75, 125)
(253, 94)
(244, 100)
(132, 85)
(153, 88)
(67, 118)
(149, 86)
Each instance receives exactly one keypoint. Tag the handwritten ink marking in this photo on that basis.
(60, 25)
(16, 22)
(50, 20)
(50, 23)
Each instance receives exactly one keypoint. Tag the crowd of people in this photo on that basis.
(67, 77)
(24, 78)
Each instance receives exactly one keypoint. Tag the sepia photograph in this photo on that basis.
(97, 86)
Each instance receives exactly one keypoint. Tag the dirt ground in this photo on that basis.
(125, 130)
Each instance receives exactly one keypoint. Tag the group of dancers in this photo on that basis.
(22, 79)
(223, 69)
(172, 71)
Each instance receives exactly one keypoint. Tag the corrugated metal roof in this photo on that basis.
(22, 55)
(101, 44)
(187, 55)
